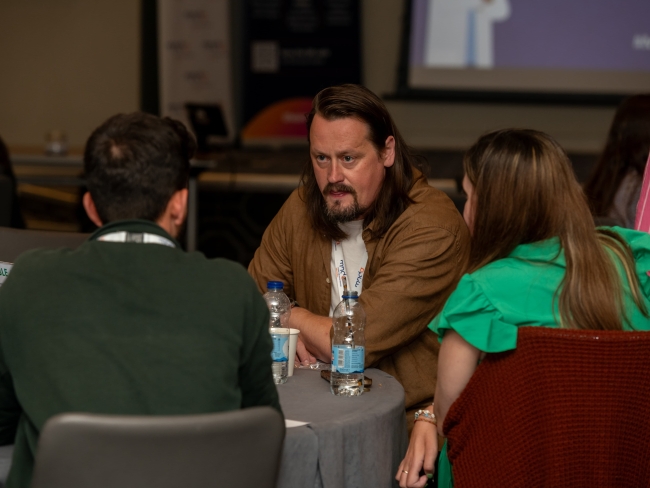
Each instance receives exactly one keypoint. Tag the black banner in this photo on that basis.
(292, 50)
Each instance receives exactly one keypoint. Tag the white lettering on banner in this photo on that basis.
(305, 56)
(178, 47)
(265, 57)
(196, 15)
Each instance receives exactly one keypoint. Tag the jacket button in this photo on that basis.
(327, 280)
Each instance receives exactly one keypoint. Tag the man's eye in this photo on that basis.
(320, 158)
(348, 159)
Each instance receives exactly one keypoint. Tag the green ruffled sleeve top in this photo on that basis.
(489, 305)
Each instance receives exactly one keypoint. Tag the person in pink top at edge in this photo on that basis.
(642, 221)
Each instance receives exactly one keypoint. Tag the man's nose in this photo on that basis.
(335, 175)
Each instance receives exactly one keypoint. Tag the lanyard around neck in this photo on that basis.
(354, 280)
(136, 237)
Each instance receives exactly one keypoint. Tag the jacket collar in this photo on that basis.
(420, 185)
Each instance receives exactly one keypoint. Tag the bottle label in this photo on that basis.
(347, 360)
(280, 347)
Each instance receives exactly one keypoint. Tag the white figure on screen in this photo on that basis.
(460, 32)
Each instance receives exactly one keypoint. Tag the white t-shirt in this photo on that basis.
(349, 258)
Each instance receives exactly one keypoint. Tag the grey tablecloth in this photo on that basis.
(349, 442)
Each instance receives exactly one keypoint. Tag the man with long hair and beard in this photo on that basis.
(365, 213)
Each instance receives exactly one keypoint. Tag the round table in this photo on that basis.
(349, 442)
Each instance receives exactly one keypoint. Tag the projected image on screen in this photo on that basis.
(459, 33)
(581, 46)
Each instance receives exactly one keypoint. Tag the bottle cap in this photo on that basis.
(275, 285)
(350, 294)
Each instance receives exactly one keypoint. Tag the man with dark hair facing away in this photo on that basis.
(129, 323)
(364, 211)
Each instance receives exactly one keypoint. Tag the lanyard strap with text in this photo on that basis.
(354, 281)
(136, 237)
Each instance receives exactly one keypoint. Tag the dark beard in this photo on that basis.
(338, 215)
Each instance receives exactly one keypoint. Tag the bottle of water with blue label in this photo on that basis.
(280, 309)
(278, 303)
(348, 347)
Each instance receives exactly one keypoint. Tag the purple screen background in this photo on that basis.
(560, 34)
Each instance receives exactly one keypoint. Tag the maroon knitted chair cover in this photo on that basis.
(566, 408)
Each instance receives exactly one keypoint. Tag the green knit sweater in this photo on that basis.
(126, 328)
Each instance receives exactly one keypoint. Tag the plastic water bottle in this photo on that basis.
(279, 354)
(348, 347)
(280, 309)
(278, 303)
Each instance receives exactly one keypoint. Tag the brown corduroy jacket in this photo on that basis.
(411, 271)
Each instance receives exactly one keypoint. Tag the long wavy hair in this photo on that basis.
(626, 150)
(356, 101)
(525, 191)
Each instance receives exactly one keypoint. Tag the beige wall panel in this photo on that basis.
(457, 126)
(66, 64)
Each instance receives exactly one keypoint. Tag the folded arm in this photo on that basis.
(314, 333)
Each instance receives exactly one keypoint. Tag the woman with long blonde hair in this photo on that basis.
(537, 259)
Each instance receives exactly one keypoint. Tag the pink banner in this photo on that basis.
(642, 221)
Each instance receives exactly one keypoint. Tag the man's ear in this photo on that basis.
(388, 154)
(174, 215)
(91, 210)
(178, 207)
